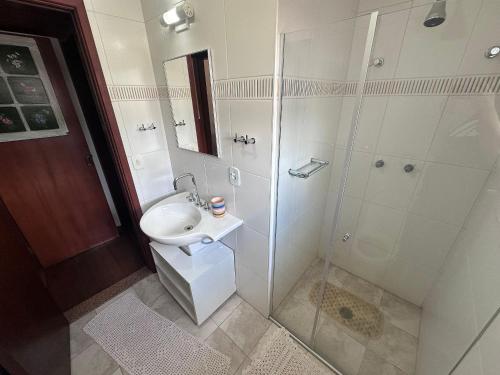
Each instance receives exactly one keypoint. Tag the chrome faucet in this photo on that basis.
(195, 196)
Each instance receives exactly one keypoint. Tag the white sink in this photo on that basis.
(175, 221)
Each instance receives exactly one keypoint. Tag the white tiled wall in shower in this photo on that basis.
(120, 36)
(223, 27)
(403, 224)
(466, 294)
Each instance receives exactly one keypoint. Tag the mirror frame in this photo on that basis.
(214, 101)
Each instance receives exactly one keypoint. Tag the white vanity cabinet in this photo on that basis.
(200, 283)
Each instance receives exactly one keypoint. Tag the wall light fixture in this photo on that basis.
(179, 17)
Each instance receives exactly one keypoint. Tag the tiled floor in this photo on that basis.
(394, 353)
(236, 330)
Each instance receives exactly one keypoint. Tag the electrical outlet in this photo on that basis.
(234, 176)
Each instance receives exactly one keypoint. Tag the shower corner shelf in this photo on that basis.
(306, 171)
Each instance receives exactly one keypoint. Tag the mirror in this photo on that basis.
(191, 96)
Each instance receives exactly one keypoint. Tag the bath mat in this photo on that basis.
(282, 356)
(350, 310)
(145, 343)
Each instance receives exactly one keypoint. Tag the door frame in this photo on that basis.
(95, 76)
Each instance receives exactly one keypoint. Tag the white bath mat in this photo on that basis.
(145, 343)
(282, 356)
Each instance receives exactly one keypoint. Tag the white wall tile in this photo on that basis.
(358, 47)
(130, 9)
(365, 5)
(387, 44)
(358, 172)
(100, 48)
(136, 113)
(207, 31)
(446, 192)
(471, 364)
(484, 36)
(370, 122)
(218, 184)
(437, 51)
(465, 295)
(425, 243)
(252, 288)
(409, 125)
(321, 119)
(252, 251)
(306, 14)
(468, 133)
(253, 202)
(390, 185)
(255, 119)
(155, 178)
(250, 53)
(127, 50)
(121, 128)
(488, 348)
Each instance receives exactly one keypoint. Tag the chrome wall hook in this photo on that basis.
(377, 62)
(243, 139)
(180, 123)
(143, 127)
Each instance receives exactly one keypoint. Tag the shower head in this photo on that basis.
(437, 14)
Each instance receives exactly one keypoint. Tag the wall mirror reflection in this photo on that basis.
(190, 91)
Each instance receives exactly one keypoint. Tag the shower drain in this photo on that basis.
(187, 228)
(346, 313)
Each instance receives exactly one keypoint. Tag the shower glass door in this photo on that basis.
(376, 252)
(321, 90)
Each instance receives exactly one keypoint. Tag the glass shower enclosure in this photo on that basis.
(389, 134)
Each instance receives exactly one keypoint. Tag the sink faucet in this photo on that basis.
(197, 200)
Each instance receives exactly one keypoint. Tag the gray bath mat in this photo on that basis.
(282, 356)
(145, 343)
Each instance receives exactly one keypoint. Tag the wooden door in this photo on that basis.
(50, 185)
(34, 334)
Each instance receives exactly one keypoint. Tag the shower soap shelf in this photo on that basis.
(306, 171)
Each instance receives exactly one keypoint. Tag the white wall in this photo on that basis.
(241, 37)
(466, 294)
(120, 36)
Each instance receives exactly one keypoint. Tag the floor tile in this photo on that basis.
(397, 347)
(93, 361)
(149, 289)
(166, 306)
(201, 331)
(297, 316)
(79, 340)
(363, 289)
(340, 349)
(226, 309)
(245, 326)
(400, 313)
(374, 365)
(221, 342)
(259, 349)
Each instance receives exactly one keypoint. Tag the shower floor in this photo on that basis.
(391, 351)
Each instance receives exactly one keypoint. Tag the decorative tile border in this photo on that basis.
(128, 93)
(465, 85)
(262, 88)
(245, 88)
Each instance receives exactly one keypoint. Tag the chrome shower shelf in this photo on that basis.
(315, 165)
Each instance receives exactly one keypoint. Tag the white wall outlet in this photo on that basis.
(138, 161)
(234, 176)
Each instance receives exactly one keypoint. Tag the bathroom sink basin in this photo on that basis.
(175, 221)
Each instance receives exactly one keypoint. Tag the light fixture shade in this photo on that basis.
(181, 12)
